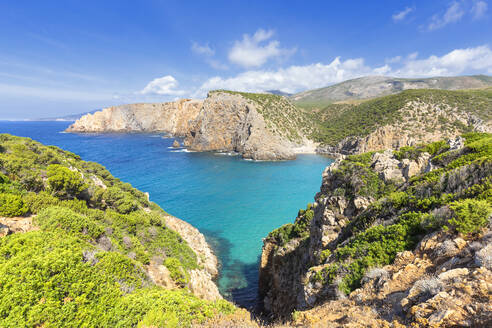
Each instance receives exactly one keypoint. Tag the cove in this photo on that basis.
(234, 202)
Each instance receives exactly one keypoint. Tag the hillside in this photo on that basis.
(408, 118)
(79, 246)
(393, 238)
(377, 86)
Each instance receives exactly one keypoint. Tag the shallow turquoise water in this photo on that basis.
(234, 202)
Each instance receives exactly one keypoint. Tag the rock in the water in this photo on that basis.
(176, 144)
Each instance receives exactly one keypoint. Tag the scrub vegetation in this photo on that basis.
(85, 266)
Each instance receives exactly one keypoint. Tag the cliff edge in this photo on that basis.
(393, 238)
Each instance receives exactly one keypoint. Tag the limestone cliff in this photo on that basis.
(245, 123)
(170, 117)
(404, 234)
(257, 126)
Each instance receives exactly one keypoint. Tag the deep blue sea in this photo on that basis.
(234, 202)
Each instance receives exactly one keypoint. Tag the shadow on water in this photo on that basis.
(237, 281)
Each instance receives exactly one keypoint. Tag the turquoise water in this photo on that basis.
(234, 202)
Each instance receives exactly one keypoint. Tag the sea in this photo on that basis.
(233, 202)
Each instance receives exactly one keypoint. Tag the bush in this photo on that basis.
(64, 183)
(119, 200)
(12, 205)
(55, 218)
(178, 273)
(470, 215)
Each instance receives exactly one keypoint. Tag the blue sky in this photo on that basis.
(61, 57)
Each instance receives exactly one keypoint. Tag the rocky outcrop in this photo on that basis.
(334, 269)
(263, 127)
(201, 280)
(421, 122)
(230, 122)
(171, 117)
(16, 224)
(440, 284)
(176, 144)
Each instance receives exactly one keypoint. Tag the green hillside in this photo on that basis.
(338, 121)
(84, 266)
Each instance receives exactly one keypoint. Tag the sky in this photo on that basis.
(66, 57)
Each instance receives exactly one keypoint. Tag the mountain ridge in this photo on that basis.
(375, 86)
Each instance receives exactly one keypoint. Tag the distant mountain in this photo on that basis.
(68, 118)
(375, 86)
(278, 93)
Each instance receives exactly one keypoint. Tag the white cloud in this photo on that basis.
(479, 9)
(292, 78)
(453, 14)
(202, 50)
(399, 16)
(298, 78)
(165, 85)
(458, 61)
(252, 52)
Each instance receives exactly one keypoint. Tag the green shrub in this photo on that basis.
(64, 183)
(48, 280)
(119, 200)
(178, 273)
(56, 217)
(470, 215)
(12, 205)
(38, 201)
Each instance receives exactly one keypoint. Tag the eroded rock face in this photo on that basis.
(229, 122)
(221, 122)
(424, 288)
(291, 273)
(201, 280)
(171, 117)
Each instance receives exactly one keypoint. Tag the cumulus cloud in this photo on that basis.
(165, 85)
(479, 9)
(297, 78)
(453, 14)
(399, 16)
(293, 78)
(458, 61)
(252, 51)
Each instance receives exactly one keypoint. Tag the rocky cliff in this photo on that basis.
(394, 237)
(171, 117)
(258, 126)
